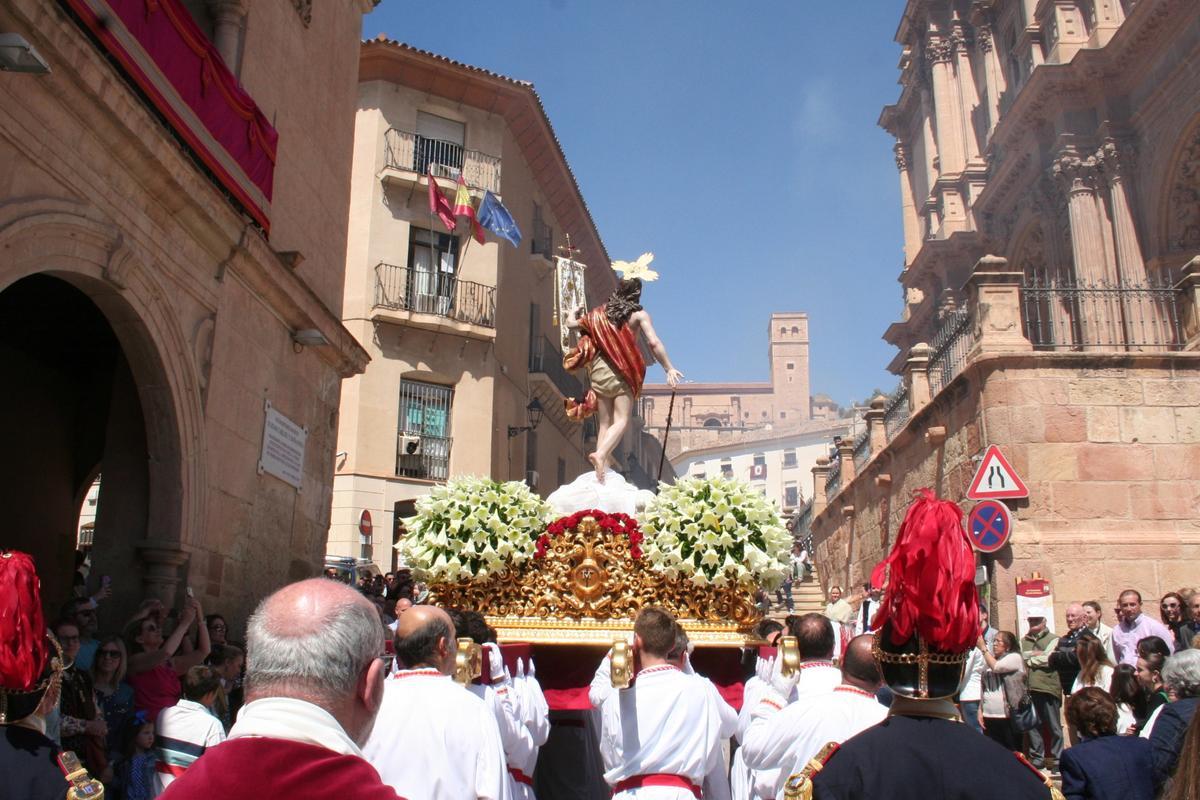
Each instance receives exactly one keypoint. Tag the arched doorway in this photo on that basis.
(71, 410)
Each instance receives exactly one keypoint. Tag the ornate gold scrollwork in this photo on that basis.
(588, 587)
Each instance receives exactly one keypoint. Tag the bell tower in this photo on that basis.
(788, 335)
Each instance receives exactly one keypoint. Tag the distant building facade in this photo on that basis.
(173, 205)
(462, 335)
(1049, 159)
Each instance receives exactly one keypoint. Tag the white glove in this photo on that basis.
(521, 669)
(784, 685)
(498, 675)
(762, 668)
(687, 660)
(531, 671)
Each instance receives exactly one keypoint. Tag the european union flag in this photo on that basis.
(495, 217)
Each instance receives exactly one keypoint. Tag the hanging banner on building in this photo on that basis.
(282, 448)
(1034, 595)
(569, 294)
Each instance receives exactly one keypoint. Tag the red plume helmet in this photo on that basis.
(930, 579)
(23, 643)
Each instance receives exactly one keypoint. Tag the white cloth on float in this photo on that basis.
(667, 723)
(782, 741)
(817, 679)
(614, 496)
(435, 740)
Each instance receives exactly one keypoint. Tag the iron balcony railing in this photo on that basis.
(896, 412)
(416, 153)
(862, 448)
(431, 461)
(440, 293)
(803, 526)
(545, 358)
(833, 482)
(1117, 316)
(949, 349)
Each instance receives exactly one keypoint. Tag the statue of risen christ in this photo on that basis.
(608, 348)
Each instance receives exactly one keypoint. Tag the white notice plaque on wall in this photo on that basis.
(282, 448)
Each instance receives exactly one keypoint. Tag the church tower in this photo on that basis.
(788, 335)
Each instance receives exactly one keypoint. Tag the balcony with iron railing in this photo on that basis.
(410, 156)
(439, 301)
(545, 358)
(1133, 317)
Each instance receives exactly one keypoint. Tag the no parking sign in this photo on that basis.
(989, 525)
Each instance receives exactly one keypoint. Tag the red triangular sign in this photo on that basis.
(996, 479)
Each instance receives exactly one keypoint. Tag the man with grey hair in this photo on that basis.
(1181, 674)
(435, 740)
(314, 683)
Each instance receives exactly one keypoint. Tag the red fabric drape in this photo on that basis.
(618, 345)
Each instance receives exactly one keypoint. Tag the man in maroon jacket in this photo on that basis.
(314, 682)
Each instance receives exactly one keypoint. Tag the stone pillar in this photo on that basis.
(1107, 16)
(1078, 177)
(964, 88)
(1115, 160)
(820, 475)
(875, 424)
(846, 455)
(161, 561)
(735, 406)
(1064, 20)
(229, 19)
(916, 376)
(939, 52)
(993, 73)
(994, 303)
(648, 410)
(1189, 287)
(908, 206)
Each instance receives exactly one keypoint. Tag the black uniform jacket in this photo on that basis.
(28, 766)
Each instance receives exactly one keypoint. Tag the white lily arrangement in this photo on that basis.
(472, 528)
(716, 531)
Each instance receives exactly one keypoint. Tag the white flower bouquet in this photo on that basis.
(472, 528)
(716, 531)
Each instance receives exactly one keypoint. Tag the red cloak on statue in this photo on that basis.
(617, 345)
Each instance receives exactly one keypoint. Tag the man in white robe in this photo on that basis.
(741, 777)
(661, 739)
(783, 740)
(816, 677)
(433, 739)
(534, 714)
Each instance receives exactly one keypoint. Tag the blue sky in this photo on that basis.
(735, 140)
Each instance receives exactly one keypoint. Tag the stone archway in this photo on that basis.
(1179, 215)
(57, 249)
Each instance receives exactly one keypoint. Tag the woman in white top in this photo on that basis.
(970, 691)
(1094, 667)
(1003, 688)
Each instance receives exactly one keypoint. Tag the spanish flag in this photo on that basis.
(463, 208)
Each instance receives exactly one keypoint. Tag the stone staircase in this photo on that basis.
(806, 595)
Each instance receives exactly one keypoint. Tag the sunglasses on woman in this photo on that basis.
(110, 653)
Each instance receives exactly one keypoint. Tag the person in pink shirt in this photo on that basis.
(1133, 626)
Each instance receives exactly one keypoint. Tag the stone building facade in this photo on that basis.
(162, 282)
(1050, 192)
(462, 335)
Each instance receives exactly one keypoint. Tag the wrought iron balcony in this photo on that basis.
(1102, 316)
(441, 294)
(412, 152)
(545, 358)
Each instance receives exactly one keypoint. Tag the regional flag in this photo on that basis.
(438, 204)
(463, 208)
(495, 217)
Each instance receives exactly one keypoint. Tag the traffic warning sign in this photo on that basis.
(996, 479)
(989, 525)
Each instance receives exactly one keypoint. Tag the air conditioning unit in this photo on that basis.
(410, 444)
(531, 478)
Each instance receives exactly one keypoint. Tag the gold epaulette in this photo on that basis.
(1055, 792)
(800, 785)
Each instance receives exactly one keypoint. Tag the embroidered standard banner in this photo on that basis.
(569, 294)
(160, 49)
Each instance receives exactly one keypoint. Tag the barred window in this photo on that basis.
(423, 449)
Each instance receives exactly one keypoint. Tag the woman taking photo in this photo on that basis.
(1094, 667)
(1003, 689)
(155, 664)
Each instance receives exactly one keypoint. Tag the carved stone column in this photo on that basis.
(229, 19)
(846, 456)
(964, 88)
(916, 375)
(993, 73)
(939, 52)
(820, 475)
(1115, 160)
(161, 561)
(1078, 177)
(912, 223)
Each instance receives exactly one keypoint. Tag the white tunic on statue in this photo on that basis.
(436, 741)
(817, 679)
(784, 740)
(667, 723)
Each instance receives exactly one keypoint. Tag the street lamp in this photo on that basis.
(534, 413)
(18, 55)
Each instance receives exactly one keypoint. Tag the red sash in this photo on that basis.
(658, 779)
(520, 777)
(618, 345)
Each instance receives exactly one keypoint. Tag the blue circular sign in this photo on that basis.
(989, 526)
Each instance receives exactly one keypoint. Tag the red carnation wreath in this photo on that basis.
(612, 524)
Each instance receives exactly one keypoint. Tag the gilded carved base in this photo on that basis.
(587, 588)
